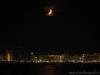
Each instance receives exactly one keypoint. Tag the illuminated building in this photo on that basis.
(9, 56)
(56, 58)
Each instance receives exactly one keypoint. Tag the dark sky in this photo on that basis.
(73, 26)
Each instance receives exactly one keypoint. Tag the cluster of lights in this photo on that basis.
(56, 58)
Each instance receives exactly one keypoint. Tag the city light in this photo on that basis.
(32, 53)
(8, 57)
(50, 58)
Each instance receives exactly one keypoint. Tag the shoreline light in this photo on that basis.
(8, 57)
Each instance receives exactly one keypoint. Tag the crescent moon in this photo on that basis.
(50, 12)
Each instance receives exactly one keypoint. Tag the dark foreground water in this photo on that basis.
(49, 69)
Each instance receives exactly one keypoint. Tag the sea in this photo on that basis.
(49, 68)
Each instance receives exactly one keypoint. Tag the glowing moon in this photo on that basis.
(50, 12)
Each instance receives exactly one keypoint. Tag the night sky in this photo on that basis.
(26, 26)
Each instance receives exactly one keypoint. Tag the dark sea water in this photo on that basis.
(50, 69)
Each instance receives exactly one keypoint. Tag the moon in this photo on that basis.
(50, 12)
